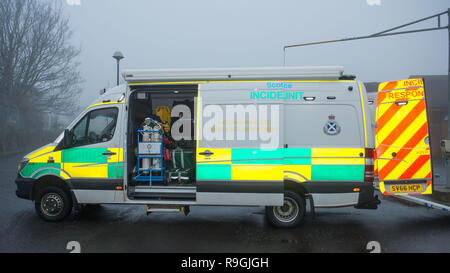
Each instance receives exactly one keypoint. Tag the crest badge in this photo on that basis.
(332, 127)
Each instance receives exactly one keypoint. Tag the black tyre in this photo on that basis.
(290, 214)
(53, 204)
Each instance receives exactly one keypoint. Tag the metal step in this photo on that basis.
(165, 192)
(167, 208)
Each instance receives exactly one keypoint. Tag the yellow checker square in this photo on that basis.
(87, 170)
(257, 172)
(218, 156)
(117, 157)
(299, 173)
(335, 156)
(46, 158)
(41, 152)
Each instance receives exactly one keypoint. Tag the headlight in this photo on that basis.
(22, 164)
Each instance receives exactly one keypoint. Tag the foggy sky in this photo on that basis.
(249, 33)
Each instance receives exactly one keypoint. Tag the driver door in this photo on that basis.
(94, 153)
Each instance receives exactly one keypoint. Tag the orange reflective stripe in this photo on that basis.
(418, 136)
(390, 112)
(382, 95)
(421, 133)
(413, 168)
(390, 86)
(398, 130)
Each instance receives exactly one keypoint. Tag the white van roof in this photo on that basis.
(233, 74)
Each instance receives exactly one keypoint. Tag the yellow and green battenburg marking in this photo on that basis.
(302, 164)
(78, 162)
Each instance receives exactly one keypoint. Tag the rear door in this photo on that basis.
(402, 138)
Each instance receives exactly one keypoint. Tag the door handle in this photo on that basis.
(108, 153)
(206, 153)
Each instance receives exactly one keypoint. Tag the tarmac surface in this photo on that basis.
(441, 184)
(395, 226)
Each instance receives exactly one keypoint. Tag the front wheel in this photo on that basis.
(290, 214)
(53, 204)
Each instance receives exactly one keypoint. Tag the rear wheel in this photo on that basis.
(290, 214)
(53, 204)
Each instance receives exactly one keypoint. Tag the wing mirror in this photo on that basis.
(67, 140)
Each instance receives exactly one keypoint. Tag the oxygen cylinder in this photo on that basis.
(156, 137)
(146, 138)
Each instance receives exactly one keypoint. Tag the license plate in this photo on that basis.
(406, 188)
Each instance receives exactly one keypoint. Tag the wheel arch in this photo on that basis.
(295, 186)
(52, 180)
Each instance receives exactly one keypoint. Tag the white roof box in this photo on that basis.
(234, 74)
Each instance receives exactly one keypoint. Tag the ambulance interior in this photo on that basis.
(155, 157)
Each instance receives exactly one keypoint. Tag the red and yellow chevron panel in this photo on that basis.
(402, 147)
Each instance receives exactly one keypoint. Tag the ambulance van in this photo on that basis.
(278, 137)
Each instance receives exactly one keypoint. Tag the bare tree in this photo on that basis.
(38, 70)
(37, 63)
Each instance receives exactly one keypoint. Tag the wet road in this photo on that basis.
(114, 228)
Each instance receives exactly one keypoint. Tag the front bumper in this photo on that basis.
(24, 187)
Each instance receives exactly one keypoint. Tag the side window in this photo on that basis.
(322, 126)
(79, 132)
(95, 127)
(102, 124)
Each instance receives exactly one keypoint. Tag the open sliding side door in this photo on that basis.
(403, 156)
